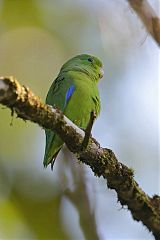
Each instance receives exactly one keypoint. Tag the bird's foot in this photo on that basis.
(88, 130)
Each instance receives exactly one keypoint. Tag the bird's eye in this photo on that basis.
(90, 60)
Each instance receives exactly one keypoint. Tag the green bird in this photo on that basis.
(75, 93)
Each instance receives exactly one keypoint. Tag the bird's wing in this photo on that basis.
(58, 96)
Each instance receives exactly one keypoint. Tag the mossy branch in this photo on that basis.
(102, 161)
(148, 16)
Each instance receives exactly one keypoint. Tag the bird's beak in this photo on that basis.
(101, 72)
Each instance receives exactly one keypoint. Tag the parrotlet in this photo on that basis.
(75, 93)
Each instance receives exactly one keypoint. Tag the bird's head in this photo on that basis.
(87, 64)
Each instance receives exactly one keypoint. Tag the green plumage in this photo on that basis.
(75, 92)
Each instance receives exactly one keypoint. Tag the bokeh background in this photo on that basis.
(36, 38)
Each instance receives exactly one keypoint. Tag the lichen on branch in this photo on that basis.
(102, 161)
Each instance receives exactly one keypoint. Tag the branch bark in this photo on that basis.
(102, 161)
(148, 16)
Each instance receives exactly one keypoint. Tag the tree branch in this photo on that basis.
(79, 198)
(102, 161)
(148, 16)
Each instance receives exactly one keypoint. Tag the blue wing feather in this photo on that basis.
(69, 93)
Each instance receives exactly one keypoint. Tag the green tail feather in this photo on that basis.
(53, 146)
